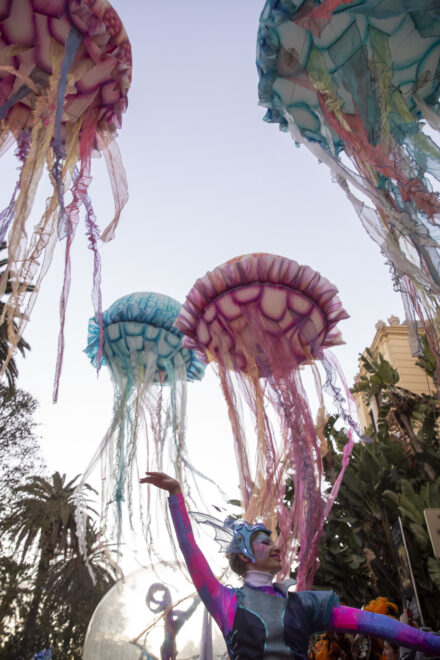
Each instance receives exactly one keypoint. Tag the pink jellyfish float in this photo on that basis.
(260, 318)
(65, 70)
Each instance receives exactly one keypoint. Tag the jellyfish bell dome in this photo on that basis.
(139, 334)
(255, 301)
(129, 623)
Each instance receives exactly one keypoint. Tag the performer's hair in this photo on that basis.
(237, 564)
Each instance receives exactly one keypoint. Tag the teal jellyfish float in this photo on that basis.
(149, 368)
(357, 81)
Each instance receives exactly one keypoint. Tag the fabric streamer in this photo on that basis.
(65, 70)
(260, 318)
(355, 81)
(149, 369)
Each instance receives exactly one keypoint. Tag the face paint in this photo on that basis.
(267, 554)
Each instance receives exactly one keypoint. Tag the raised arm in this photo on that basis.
(220, 601)
(350, 620)
(162, 481)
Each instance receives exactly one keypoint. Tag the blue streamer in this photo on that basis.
(73, 42)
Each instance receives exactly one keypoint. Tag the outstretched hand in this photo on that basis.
(162, 480)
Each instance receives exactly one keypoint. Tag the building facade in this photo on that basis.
(392, 341)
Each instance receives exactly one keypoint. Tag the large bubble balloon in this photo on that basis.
(260, 318)
(357, 82)
(149, 369)
(65, 71)
(152, 613)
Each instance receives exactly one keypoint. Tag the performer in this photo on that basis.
(262, 619)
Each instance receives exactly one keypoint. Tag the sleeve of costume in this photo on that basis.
(318, 605)
(220, 601)
(349, 620)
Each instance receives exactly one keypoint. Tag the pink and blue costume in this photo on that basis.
(269, 623)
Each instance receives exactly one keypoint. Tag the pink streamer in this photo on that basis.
(80, 197)
(260, 317)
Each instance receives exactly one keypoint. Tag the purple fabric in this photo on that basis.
(271, 590)
(349, 620)
(21, 153)
(71, 220)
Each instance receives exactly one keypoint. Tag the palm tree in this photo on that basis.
(42, 519)
(71, 597)
(11, 369)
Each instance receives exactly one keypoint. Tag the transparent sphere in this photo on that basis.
(153, 613)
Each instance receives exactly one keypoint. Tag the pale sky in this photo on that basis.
(208, 181)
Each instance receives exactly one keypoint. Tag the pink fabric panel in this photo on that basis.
(220, 601)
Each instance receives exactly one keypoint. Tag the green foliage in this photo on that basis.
(356, 553)
(15, 591)
(19, 456)
(23, 346)
(44, 513)
(427, 360)
(20, 453)
(46, 593)
(380, 374)
(41, 530)
(396, 475)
